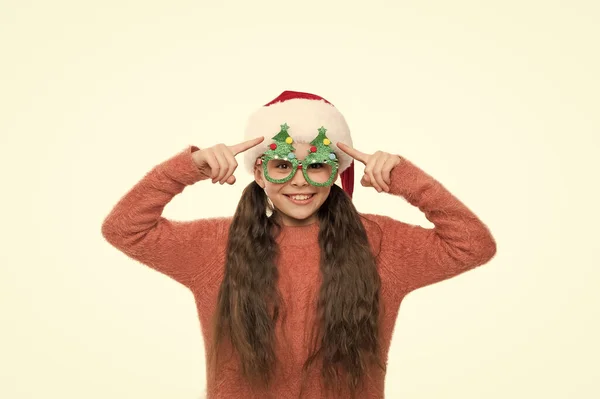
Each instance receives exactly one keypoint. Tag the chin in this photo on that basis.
(296, 217)
(298, 213)
(295, 214)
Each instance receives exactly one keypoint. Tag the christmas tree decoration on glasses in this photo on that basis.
(304, 114)
(280, 163)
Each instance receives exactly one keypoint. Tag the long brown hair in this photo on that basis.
(248, 304)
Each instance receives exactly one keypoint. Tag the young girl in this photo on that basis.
(298, 293)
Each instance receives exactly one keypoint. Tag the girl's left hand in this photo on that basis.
(378, 167)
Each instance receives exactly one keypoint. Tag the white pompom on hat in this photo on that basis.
(304, 113)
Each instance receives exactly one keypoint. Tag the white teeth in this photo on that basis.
(300, 197)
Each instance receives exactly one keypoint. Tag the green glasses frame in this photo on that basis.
(309, 160)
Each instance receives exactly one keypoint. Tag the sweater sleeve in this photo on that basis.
(183, 250)
(420, 256)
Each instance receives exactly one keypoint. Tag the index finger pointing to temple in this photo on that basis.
(359, 156)
(246, 145)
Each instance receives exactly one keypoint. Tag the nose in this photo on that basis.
(298, 179)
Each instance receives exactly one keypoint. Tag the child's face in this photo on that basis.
(294, 211)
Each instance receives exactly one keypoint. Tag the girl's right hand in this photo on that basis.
(218, 162)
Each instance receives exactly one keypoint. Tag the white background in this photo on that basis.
(496, 100)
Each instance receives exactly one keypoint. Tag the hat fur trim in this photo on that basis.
(304, 117)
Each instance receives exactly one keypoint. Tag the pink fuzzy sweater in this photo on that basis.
(193, 253)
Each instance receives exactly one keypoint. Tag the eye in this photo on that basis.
(315, 166)
(279, 164)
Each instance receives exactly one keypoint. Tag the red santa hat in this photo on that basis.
(304, 113)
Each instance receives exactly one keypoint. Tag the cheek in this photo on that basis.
(323, 194)
(273, 190)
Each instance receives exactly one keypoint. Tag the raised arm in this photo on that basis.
(135, 226)
(416, 256)
(458, 242)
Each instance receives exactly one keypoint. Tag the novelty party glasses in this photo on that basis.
(319, 167)
(316, 172)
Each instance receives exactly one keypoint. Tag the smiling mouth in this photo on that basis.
(300, 197)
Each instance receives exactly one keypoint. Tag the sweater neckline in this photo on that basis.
(299, 236)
